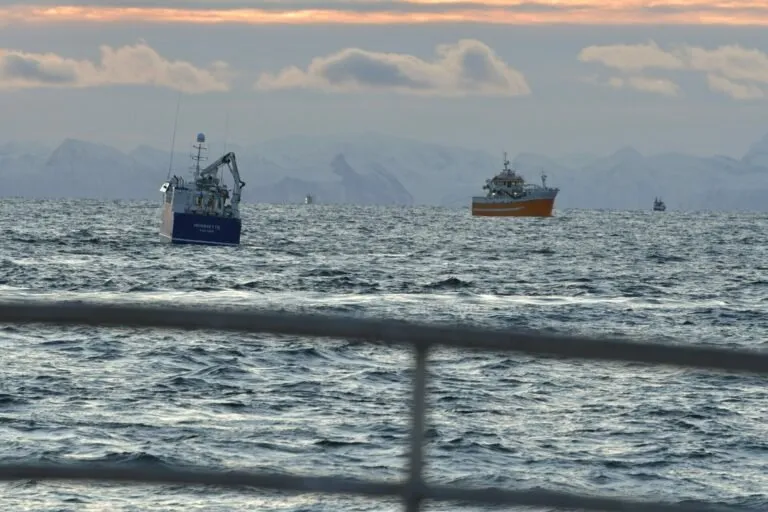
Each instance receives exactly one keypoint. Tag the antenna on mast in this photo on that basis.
(200, 147)
(173, 139)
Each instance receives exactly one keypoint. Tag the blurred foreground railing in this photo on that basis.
(422, 337)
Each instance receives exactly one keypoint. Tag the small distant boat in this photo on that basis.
(510, 196)
(658, 205)
(308, 199)
(202, 211)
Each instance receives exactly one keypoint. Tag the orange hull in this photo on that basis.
(532, 208)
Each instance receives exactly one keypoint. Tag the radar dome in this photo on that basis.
(200, 137)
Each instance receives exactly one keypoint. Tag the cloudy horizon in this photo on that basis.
(552, 77)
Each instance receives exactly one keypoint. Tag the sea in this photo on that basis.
(151, 398)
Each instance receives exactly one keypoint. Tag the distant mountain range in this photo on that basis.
(377, 169)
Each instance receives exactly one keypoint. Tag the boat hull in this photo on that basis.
(540, 207)
(190, 228)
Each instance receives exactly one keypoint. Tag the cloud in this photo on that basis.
(738, 72)
(630, 57)
(361, 6)
(128, 65)
(468, 67)
(641, 83)
(733, 89)
(514, 12)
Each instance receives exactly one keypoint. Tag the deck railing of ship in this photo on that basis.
(413, 490)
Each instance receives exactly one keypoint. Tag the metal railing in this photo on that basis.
(422, 338)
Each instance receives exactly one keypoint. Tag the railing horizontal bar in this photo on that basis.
(559, 500)
(324, 485)
(229, 479)
(388, 331)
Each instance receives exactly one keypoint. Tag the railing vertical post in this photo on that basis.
(414, 494)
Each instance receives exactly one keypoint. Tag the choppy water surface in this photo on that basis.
(151, 398)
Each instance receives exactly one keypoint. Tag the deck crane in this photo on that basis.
(210, 172)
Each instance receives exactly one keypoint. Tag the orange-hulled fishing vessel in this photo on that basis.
(510, 196)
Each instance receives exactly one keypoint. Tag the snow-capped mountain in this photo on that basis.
(629, 180)
(81, 169)
(371, 168)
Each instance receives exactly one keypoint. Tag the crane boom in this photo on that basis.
(230, 161)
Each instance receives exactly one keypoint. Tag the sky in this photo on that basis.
(548, 76)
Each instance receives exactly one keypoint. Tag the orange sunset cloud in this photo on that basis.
(382, 12)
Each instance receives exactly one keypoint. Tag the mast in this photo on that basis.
(200, 147)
